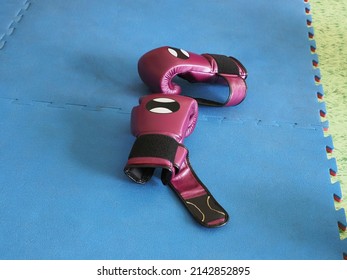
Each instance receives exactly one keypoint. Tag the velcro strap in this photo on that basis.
(227, 71)
(225, 64)
(197, 198)
(155, 146)
(152, 151)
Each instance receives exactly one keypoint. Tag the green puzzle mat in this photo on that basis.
(330, 22)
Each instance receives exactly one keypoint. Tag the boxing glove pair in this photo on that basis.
(161, 122)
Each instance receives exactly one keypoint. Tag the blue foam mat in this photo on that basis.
(68, 83)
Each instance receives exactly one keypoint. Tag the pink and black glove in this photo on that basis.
(160, 123)
(158, 67)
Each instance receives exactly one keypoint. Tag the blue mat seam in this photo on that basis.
(202, 117)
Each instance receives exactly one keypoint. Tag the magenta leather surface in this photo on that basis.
(177, 125)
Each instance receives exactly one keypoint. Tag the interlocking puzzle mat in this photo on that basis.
(329, 23)
(68, 82)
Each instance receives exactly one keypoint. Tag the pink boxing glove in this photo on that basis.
(158, 67)
(160, 123)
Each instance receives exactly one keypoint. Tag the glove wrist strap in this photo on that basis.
(152, 151)
(196, 197)
(230, 72)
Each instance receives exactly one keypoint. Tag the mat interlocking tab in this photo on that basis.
(333, 169)
(68, 84)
